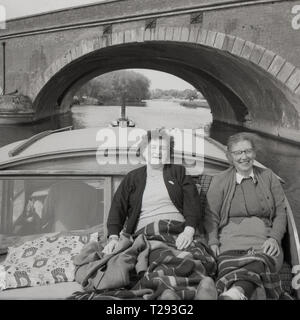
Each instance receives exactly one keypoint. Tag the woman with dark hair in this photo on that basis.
(156, 208)
(245, 221)
(155, 192)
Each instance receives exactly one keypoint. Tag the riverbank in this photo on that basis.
(111, 103)
(195, 104)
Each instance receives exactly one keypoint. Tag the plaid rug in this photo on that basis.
(233, 267)
(167, 267)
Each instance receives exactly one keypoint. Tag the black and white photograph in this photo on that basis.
(150, 153)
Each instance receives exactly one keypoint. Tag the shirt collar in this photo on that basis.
(239, 177)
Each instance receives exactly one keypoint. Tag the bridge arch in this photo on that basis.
(244, 83)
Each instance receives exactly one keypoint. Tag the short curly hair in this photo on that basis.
(238, 137)
(157, 134)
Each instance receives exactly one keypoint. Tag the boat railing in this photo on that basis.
(27, 143)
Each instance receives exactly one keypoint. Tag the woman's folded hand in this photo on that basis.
(271, 247)
(111, 245)
(185, 238)
(215, 249)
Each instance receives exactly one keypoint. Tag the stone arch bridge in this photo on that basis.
(242, 55)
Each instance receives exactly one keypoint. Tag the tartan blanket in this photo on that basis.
(148, 265)
(233, 267)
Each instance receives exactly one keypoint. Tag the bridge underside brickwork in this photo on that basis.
(245, 83)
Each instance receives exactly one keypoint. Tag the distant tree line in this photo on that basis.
(114, 87)
(188, 94)
(129, 86)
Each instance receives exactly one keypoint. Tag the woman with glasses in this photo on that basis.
(245, 220)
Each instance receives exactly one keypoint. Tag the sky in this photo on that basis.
(164, 80)
(19, 8)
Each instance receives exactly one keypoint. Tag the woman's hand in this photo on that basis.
(111, 245)
(271, 247)
(215, 249)
(185, 238)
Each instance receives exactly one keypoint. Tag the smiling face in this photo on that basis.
(157, 152)
(242, 155)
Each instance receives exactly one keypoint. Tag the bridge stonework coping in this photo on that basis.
(228, 42)
(210, 39)
(202, 36)
(161, 34)
(294, 80)
(185, 33)
(267, 59)
(69, 56)
(128, 36)
(238, 46)
(176, 33)
(78, 51)
(140, 34)
(52, 70)
(115, 38)
(87, 46)
(152, 34)
(257, 54)
(219, 41)
(97, 44)
(106, 41)
(274, 64)
(57, 65)
(285, 72)
(193, 34)
(74, 53)
(247, 50)
(169, 33)
(147, 34)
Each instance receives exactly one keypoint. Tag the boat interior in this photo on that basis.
(75, 201)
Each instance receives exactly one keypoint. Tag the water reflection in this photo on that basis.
(155, 114)
(11, 133)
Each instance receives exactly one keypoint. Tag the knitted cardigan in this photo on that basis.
(127, 201)
(221, 192)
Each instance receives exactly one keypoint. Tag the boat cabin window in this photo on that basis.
(42, 205)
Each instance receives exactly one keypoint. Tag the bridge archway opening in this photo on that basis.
(170, 101)
(238, 91)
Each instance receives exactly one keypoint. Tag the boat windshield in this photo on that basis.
(42, 205)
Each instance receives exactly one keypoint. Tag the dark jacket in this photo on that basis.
(127, 201)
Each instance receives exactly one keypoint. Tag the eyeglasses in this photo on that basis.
(248, 152)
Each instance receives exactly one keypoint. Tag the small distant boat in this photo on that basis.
(123, 123)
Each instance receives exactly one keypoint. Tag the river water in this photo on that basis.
(282, 157)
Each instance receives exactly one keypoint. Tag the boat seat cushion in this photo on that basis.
(46, 259)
